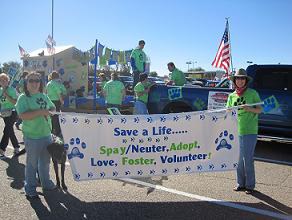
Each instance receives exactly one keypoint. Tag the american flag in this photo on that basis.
(22, 51)
(50, 42)
(222, 58)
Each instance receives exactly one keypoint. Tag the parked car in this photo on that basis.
(156, 80)
(211, 83)
(268, 80)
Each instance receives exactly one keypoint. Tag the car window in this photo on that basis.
(273, 79)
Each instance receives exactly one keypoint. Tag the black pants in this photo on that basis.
(136, 75)
(8, 132)
(56, 129)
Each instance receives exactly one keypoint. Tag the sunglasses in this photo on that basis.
(34, 80)
(240, 78)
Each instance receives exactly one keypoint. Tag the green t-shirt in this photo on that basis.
(247, 121)
(5, 103)
(141, 88)
(114, 92)
(55, 89)
(178, 77)
(40, 126)
(140, 59)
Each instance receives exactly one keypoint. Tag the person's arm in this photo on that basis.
(10, 98)
(133, 64)
(257, 109)
(33, 114)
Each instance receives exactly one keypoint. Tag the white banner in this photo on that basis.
(116, 146)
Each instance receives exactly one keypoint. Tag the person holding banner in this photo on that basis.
(8, 99)
(247, 129)
(141, 90)
(138, 61)
(56, 91)
(177, 77)
(114, 92)
(33, 107)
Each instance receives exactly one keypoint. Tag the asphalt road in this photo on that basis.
(195, 196)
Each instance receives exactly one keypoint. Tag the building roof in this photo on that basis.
(57, 50)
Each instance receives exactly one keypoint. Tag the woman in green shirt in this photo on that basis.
(33, 107)
(247, 129)
(8, 99)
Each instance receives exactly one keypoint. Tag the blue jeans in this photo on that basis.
(37, 160)
(245, 169)
(140, 108)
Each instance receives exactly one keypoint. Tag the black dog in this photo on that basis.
(58, 153)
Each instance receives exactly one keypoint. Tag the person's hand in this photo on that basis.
(247, 108)
(168, 83)
(45, 112)
(147, 89)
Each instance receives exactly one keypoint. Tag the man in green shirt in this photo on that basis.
(141, 90)
(56, 92)
(114, 91)
(138, 61)
(177, 77)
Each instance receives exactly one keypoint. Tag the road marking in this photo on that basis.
(273, 161)
(211, 200)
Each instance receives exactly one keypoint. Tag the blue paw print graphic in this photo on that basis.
(75, 152)
(270, 103)
(175, 93)
(222, 140)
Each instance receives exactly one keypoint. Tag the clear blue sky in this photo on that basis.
(178, 30)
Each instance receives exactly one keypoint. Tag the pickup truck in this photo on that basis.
(268, 80)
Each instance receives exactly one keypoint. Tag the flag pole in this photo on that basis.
(53, 33)
(95, 76)
(231, 64)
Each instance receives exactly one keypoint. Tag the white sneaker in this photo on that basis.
(2, 153)
(16, 151)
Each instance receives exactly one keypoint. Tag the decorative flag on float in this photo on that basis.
(102, 61)
(223, 56)
(93, 59)
(128, 55)
(107, 53)
(115, 55)
(111, 61)
(100, 49)
(121, 58)
(22, 51)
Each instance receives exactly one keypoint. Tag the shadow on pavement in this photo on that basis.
(15, 172)
(63, 205)
(273, 203)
